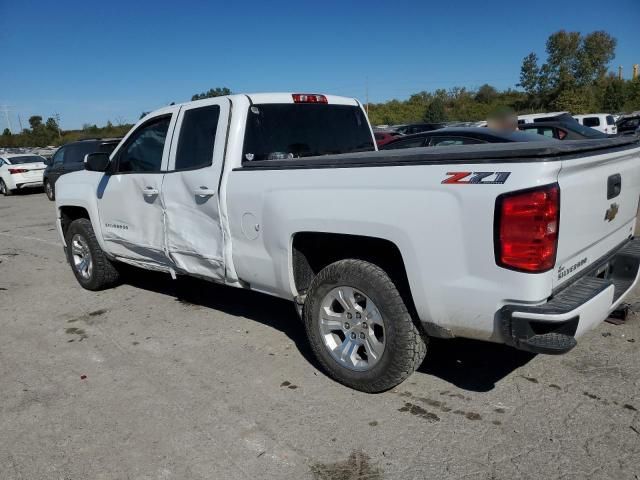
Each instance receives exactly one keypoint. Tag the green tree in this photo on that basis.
(486, 94)
(632, 102)
(212, 92)
(35, 122)
(6, 132)
(612, 94)
(435, 111)
(596, 52)
(573, 67)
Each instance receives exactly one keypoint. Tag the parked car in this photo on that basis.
(629, 124)
(377, 250)
(544, 117)
(562, 130)
(19, 171)
(419, 127)
(382, 138)
(70, 158)
(460, 136)
(603, 122)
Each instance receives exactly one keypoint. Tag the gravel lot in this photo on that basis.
(162, 379)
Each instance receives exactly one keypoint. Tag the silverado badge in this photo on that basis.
(611, 213)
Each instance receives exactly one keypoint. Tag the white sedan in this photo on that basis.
(18, 171)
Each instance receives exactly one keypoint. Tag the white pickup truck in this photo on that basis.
(528, 244)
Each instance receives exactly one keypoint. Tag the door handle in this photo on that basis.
(204, 192)
(148, 191)
(614, 186)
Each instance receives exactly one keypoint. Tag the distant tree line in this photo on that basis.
(41, 134)
(574, 78)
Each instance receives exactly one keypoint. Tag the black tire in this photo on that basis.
(48, 189)
(4, 189)
(406, 345)
(104, 274)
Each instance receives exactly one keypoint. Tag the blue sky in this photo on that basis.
(97, 61)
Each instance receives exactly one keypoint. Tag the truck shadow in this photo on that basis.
(468, 364)
(471, 364)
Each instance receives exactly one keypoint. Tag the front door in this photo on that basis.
(190, 190)
(130, 198)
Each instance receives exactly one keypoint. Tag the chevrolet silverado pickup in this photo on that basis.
(527, 244)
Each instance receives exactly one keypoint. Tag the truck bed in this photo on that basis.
(462, 154)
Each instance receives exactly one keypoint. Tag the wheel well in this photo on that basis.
(68, 214)
(312, 251)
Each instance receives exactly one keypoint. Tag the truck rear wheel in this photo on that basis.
(359, 327)
(93, 270)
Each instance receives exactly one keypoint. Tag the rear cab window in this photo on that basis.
(281, 131)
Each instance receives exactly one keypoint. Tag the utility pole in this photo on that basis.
(635, 71)
(57, 117)
(366, 94)
(5, 109)
(620, 72)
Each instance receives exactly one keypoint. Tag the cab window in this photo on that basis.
(591, 122)
(143, 151)
(197, 138)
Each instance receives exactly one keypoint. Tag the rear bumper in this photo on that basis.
(29, 184)
(575, 309)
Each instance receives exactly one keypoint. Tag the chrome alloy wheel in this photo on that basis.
(352, 328)
(82, 262)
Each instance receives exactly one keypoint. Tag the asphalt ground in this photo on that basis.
(164, 379)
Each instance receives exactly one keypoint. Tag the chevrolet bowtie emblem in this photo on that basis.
(611, 213)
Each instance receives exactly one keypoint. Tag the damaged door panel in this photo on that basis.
(194, 234)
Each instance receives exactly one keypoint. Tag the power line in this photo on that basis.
(5, 109)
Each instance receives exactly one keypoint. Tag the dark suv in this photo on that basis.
(70, 158)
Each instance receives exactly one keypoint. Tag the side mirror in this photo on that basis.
(96, 162)
(48, 161)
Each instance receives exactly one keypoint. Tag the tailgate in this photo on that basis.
(598, 206)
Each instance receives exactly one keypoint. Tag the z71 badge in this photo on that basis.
(484, 178)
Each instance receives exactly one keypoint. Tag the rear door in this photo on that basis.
(598, 206)
(191, 189)
(129, 198)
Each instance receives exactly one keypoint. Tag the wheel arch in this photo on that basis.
(70, 212)
(313, 251)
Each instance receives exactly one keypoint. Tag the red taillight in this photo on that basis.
(309, 98)
(526, 229)
(13, 171)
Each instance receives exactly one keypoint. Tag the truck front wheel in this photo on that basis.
(93, 270)
(359, 327)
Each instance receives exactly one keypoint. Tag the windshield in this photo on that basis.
(26, 159)
(282, 131)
